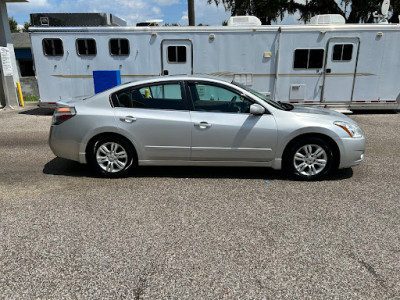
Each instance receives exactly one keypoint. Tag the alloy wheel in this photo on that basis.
(111, 157)
(310, 160)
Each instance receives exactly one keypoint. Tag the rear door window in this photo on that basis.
(162, 96)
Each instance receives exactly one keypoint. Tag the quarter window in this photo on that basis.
(165, 96)
(53, 47)
(308, 58)
(176, 54)
(342, 52)
(119, 47)
(86, 47)
(217, 99)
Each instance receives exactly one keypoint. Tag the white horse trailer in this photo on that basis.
(342, 66)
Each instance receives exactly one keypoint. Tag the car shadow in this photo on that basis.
(38, 112)
(64, 167)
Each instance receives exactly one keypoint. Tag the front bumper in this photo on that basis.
(352, 152)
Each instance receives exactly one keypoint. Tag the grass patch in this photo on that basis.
(31, 99)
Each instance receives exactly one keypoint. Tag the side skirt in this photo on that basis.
(274, 164)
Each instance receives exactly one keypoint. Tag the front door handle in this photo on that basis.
(203, 125)
(128, 119)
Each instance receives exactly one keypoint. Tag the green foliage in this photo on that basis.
(266, 10)
(13, 24)
(354, 11)
(31, 98)
(395, 4)
(26, 26)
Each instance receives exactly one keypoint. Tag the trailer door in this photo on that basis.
(340, 69)
(176, 57)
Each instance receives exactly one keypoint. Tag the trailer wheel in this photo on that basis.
(309, 159)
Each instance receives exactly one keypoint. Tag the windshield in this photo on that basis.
(262, 97)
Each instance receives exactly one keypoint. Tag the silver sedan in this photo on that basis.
(197, 121)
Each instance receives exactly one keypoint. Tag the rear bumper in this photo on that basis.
(51, 105)
(63, 147)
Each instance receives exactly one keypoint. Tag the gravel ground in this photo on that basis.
(196, 233)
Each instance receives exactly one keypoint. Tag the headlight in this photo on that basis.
(353, 130)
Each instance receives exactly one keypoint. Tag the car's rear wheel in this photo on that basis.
(309, 158)
(112, 156)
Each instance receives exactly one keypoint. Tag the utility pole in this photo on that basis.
(191, 13)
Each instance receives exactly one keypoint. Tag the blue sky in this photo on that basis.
(133, 11)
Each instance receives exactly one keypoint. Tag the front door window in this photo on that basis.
(216, 99)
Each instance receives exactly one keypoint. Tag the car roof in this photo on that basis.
(179, 78)
(161, 79)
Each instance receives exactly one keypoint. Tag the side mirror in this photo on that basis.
(257, 109)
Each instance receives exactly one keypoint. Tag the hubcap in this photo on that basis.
(111, 157)
(310, 160)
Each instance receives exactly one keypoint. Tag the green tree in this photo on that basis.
(26, 27)
(266, 10)
(354, 11)
(395, 5)
(13, 24)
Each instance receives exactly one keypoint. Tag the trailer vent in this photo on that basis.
(297, 92)
(327, 19)
(244, 21)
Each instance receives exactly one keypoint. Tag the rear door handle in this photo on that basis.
(203, 125)
(128, 119)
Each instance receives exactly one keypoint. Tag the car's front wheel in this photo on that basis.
(309, 158)
(111, 156)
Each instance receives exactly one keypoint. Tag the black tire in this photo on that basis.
(111, 156)
(317, 159)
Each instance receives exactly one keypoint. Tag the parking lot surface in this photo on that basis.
(196, 233)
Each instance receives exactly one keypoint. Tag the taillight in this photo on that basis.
(62, 114)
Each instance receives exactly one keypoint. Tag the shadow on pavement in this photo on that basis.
(59, 166)
(375, 112)
(38, 112)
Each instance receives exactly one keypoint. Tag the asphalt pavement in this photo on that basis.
(196, 233)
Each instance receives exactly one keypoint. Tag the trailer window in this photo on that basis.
(86, 47)
(342, 52)
(176, 54)
(119, 47)
(308, 58)
(53, 47)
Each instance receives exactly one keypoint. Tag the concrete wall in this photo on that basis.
(29, 86)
